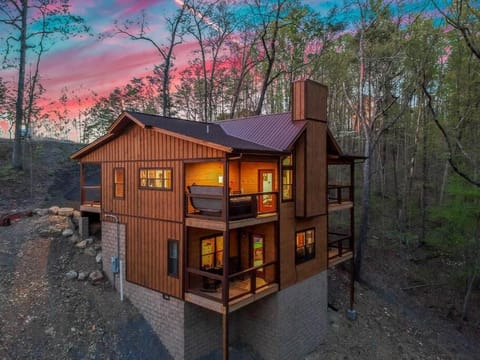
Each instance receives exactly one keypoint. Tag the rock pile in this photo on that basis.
(89, 246)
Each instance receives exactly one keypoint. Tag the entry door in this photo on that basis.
(265, 184)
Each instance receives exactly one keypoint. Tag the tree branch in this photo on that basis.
(451, 161)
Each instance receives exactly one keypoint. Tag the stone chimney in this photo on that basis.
(309, 101)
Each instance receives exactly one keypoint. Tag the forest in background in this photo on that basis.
(403, 91)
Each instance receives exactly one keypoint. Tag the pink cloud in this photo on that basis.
(135, 6)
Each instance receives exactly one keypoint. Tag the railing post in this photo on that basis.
(252, 281)
(82, 183)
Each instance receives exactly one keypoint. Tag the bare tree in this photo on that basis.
(18, 17)
(138, 30)
(373, 102)
(211, 24)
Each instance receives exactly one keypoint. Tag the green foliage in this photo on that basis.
(457, 225)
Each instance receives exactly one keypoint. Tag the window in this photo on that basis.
(172, 267)
(212, 252)
(119, 183)
(287, 178)
(156, 179)
(305, 245)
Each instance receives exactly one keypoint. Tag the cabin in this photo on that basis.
(222, 233)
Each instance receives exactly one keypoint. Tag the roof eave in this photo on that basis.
(92, 146)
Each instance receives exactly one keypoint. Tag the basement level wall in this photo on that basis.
(287, 325)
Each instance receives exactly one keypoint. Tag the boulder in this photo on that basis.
(53, 210)
(90, 252)
(83, 275)
(65, 211)
(75, 238)
(96, 276)
(41, 212)
(72, 274)
(70, 223)
(82, 244)
(50, 231)
(67, 232)
(99, 258)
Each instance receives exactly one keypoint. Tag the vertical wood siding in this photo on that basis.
(151, 216)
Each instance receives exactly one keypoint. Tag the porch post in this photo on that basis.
(225, 334)
(226, 256)
(82, 183)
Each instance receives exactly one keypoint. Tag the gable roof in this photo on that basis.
(275, 133)
(209, 134)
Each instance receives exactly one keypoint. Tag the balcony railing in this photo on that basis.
(202, 202)
(339, 244)
(91, 195)
(338, 193)
(211, 284)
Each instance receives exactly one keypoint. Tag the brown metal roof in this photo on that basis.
(210, 132)
(263, 133)
(275, 131)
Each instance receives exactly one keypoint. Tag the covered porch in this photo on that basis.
(228, 270)
(90, 187)
(242, 188)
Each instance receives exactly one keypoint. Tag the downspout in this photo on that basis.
(118, 269)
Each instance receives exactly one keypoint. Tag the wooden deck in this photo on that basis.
(91, 208)
(336, 206)
(212, 299)
(334, 258)
(215, 224)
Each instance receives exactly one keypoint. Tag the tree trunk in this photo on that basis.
(466, 300)
(362, 238)
(17, 143)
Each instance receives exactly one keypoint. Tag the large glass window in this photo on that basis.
(172, 267)
(156, 178)
(305, 245)
(119, 183)
(212, 252)
(287, 178)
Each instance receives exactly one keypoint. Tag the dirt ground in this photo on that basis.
(407, 307)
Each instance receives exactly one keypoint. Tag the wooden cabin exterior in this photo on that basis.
(221, 215)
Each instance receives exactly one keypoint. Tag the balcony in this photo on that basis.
(339, 197)
(225, 271)
(90, 188)
(209, 289)
(231, 194)
(340, 248)
(90, 198)
(205, 208)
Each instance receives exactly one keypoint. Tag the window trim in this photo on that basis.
(214, 237)
(292, 169)
(173, 272)
(115, 183)
(153, 187)
(311, 256)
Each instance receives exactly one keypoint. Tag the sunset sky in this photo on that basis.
(89, 64)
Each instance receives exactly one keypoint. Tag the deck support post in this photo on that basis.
(225, 334)
(226, 257)
(352, 234)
